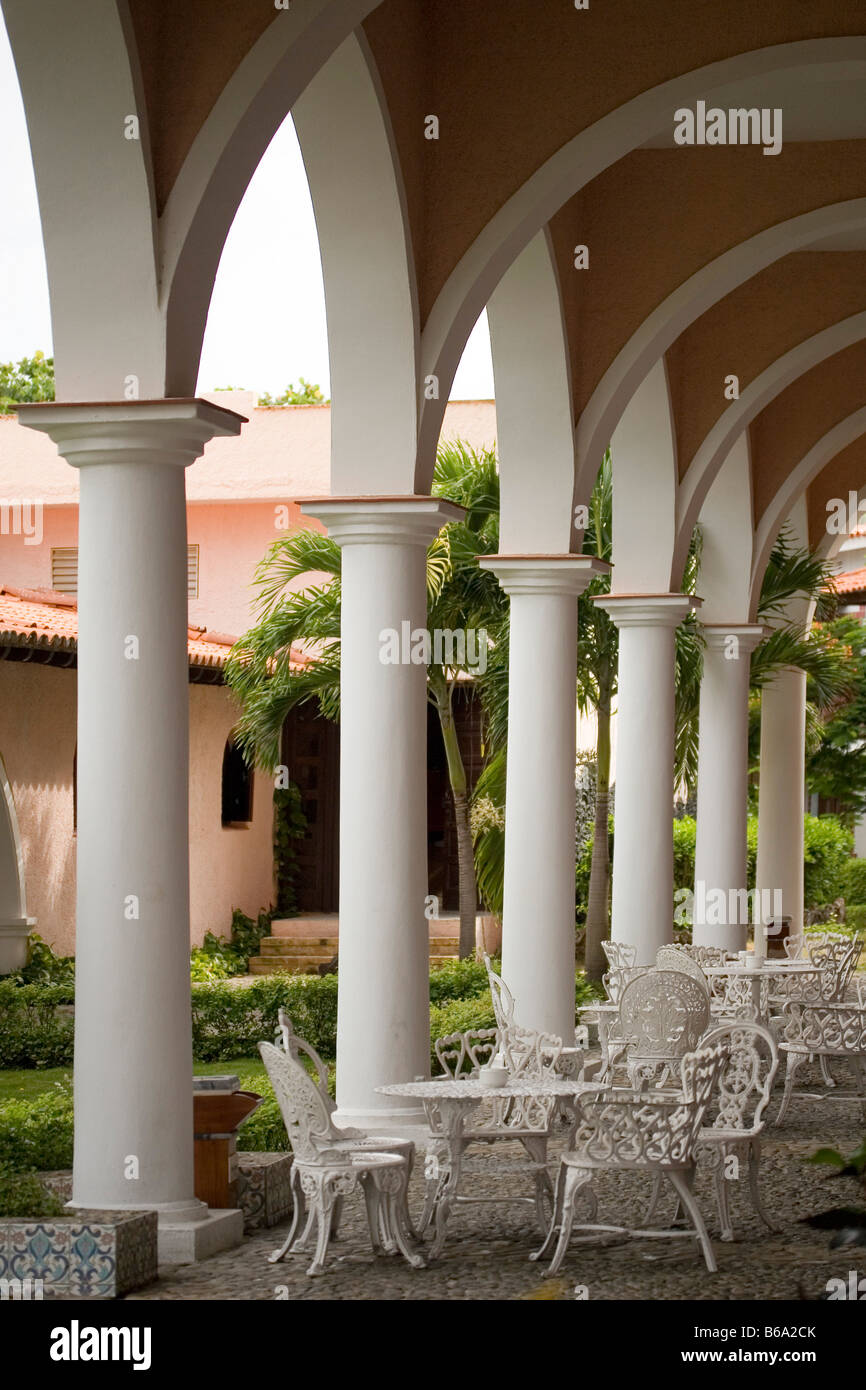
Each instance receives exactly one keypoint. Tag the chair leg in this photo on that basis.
(392, 1197)
(681, 1186)
(754, 1192)
(299, 1213)
(721, 1185)
(575, 1178)
(372, 1201)
(321, 1211)
(795, 1061)
(336, 1217)
(654, 1198)
(556, 1216)
(824, 1063)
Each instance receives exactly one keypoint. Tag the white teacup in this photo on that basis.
(493, 1077)
(753, 961)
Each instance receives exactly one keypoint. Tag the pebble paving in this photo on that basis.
(486, 1255)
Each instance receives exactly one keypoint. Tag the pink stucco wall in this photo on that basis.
(228, 868)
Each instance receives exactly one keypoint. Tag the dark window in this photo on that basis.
(237, 787)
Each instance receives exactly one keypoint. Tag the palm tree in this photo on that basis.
(269, 682)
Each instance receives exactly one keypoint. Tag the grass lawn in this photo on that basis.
(17, 1085)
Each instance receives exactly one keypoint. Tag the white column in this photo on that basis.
(721, 914)
(781, 796)
(642, 894)
(133, 1051)
(538, 912)
(383, 1013)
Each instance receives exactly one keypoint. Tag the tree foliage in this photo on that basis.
(28, 380)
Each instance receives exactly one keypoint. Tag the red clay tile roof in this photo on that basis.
(850, 583)
(47, 620)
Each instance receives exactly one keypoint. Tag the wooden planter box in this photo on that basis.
(85, 1254)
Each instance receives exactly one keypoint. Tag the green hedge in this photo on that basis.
(855, 918)
(854, 882)
(36, 1134)
(230, 1020)
(828, 847)
(22, 1194)
(35, 1031)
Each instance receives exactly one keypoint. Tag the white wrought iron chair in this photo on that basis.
(734, 1117)
(326, 1173)
(347, 1140)
(825, 1031)
(662, 1016)
(654, 1132)
(835, 957)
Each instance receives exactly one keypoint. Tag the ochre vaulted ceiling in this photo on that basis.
(656, 217)
(747, 331)
(845, 473)
(511, 82)
(795, 420)
(188, 50)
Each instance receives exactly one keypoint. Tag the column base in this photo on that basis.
(406, 1124)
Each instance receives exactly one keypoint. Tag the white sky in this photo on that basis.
(265, 328)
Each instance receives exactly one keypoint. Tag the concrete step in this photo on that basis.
(287, 965)
(298, 946)
(312, 924)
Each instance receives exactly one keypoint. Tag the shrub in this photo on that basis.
(36, 1134)
(855, 918)
(44, 967)
(827, 852)
(459, 979)
(685, 835)
(457, 1016)
(34, 1029)
(854, 883)
(229, 1020)
(22, 1194)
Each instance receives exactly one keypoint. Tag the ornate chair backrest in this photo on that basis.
(834, 1028)
(663, 1014)
(503, 999)
(293, 1043)
(704, 955)
(464, 1054)
(307, 1119)
(621, 1129)
(615, 981)
(621, 955)
(746, 1078)
(675, 958)
(794, 946)
(837, 960)
(527, 1053)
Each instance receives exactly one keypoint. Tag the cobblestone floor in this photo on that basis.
(487, 1252)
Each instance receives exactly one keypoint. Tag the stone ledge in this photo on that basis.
(87, 1254)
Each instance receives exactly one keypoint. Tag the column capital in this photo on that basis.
(717, 635)
(174, 430)
(648, 610)
(398, 520)
(544, 574)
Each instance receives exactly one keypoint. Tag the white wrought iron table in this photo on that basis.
(768, 970)
(449, 1102)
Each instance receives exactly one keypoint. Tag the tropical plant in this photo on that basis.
(292, 654)
(30, 379)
